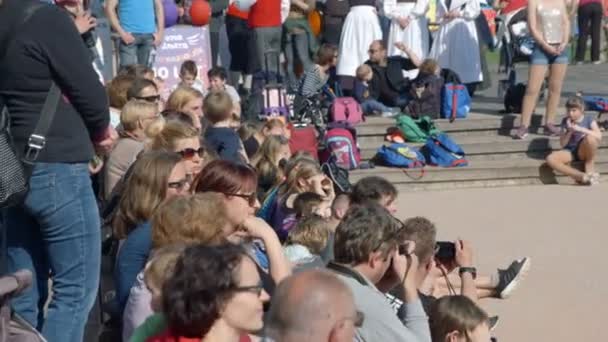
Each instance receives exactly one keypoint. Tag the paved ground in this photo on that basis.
(565, 296)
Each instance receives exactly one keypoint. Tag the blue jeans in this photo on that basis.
(541, 57)
(56, 234)
(369, 106)
(137, 52)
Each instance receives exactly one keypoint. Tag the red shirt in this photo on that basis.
(236, 12)
(265, 13)
(514, 5)
(167, 336)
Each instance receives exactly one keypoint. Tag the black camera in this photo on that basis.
(445, 251)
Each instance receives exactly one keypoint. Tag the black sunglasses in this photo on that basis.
(250, 198)
(178, 185)
(256, 289)
(151, 98)
(188, 153)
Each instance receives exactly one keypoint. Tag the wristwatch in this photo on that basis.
(471, 270)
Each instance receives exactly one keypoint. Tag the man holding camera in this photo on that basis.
(373, 261)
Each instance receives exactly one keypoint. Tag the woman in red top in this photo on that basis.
(214, 295)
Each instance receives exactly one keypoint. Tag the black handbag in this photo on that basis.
(14, 171)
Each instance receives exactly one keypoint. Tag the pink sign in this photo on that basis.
(182, 43)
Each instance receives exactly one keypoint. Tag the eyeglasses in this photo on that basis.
(178, 185)
(250, 198)
(372, 51)
(151, 98)
(358, 318)
(188, 153)
(256, 289)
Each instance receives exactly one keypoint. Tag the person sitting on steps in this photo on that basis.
(580, 139)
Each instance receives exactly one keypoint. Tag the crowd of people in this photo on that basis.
(223, 232)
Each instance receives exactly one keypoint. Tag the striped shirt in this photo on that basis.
(312, 82)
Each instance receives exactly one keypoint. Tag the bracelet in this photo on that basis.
(471, 270)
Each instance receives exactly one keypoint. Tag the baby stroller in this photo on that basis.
(515, 44)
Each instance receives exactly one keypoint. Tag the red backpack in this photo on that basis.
(340, 142)
(346, 109)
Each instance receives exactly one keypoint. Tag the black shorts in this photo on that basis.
(575, 151)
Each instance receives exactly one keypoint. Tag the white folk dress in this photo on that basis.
(416, 34)
(361, 28)
(456, 45)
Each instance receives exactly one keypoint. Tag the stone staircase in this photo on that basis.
(495, 159)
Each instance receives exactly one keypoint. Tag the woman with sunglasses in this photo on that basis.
(238, 183)
(145, 90)
(268, 162)
(135, 117)
(190, 101)
(156, 176)
(215, 294)
(177, 136)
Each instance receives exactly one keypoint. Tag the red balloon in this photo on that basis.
(200, 12)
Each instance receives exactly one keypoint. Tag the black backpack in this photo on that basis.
(514, 97)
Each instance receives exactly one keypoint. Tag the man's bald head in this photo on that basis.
(308, 305)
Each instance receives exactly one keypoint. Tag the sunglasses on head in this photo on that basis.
(188, 153)
(151, 98)
(250, 198)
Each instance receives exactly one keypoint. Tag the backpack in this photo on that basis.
(596, 103)
(514, 97)
(268, 97)
(401, 155)
(441, 150)
(346, 109)
(455, 101)
(340, 141)
(338, 175)
(416, 130)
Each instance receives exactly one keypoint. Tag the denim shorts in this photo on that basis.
(541, 57)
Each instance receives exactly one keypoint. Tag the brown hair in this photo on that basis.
(173, 130)
(190, 219)
(302, 168)
(270, 124)
(305, 204)
(311, 232)
(248, 129)
(362, 71)
(424, 234)
(575, 102)
(117, 90)
(144, 191)
(429, 66)
(134, 111)
(225, 176)
(217, 106)
(180, 97)
(326, 54)
(455, 313)
(188, 68)
(366, 229)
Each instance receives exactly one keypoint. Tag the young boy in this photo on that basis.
(425, 91)
(580, 139)
(188, 74)
(310, 203)
(369, 105)
(217, 82)
(220, 136)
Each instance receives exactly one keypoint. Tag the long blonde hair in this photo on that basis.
(145, 190)
(266, 159)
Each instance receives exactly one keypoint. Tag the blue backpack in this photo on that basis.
(443, 151)
(401, 155)
(455, 102)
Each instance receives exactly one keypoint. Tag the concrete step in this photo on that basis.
(493, 147)
(482, 174)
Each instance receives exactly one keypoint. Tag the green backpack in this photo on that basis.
(416, 130)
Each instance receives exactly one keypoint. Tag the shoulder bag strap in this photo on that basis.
(37, 139)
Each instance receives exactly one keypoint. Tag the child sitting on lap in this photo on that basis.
(361, 93)
(580, 139)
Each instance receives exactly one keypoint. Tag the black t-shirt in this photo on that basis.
(387, 93)
(251, 146)
(388, 81)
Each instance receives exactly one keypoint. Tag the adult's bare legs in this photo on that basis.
(536, 76)
(557, 73)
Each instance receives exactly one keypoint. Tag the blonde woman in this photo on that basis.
(177, 136)
(156, 176)
(189, 101)
(267, 162)
(135, 118)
